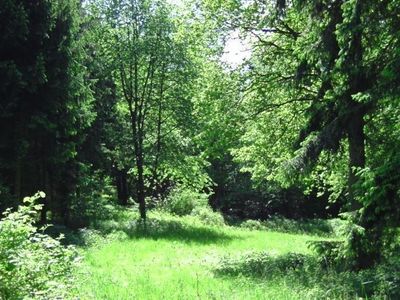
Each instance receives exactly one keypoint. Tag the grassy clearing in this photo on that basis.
(179, 264)
(182, 258)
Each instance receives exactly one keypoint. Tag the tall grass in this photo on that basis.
(181, 258)
(175, 259)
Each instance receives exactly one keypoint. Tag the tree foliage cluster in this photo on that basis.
(321, 103)
(96, 99)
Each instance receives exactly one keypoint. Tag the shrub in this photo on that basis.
(207, 216)
(299, 270)
(89, 237)
(387, 279)
(329, 254)
(182, 200)
(32, 264)
(382, 282)
(253, 225)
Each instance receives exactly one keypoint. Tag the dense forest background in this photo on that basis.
(107, 102)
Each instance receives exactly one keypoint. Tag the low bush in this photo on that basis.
(387, 278)
(182, 201)
(207, 216)
(316, 281)
(89, 237)
(253, 225)
(329, 254)
(33, 265)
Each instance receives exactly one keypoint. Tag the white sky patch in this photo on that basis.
(176, 2)
(236, 51)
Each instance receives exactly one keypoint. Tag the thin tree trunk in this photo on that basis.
(155, 183)
(41, 183)
(18, 179)
(121, 179)
(140, 186)
(19, 134)
(356, 138)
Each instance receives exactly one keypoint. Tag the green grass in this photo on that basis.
(176, 262)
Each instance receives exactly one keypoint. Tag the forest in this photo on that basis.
(199, 149)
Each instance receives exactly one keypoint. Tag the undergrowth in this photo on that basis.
(33, 265)
(308, 226)
(318, 281)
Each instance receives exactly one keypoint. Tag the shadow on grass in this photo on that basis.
(317, 227)
(155, 228)
(158, 227)
(175, 230)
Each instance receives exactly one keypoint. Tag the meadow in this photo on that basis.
(182, 258)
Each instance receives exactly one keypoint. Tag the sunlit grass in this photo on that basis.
(170, 266)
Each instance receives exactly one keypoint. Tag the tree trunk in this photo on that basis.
(140, 186)
(366, 245)
(155, 181)
(122, 186)
(137, 135)
(357, 84)
(19, 135)
(356, 138)
(42, 185)
(18, 179)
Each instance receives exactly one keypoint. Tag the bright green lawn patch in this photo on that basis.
(181, 267)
